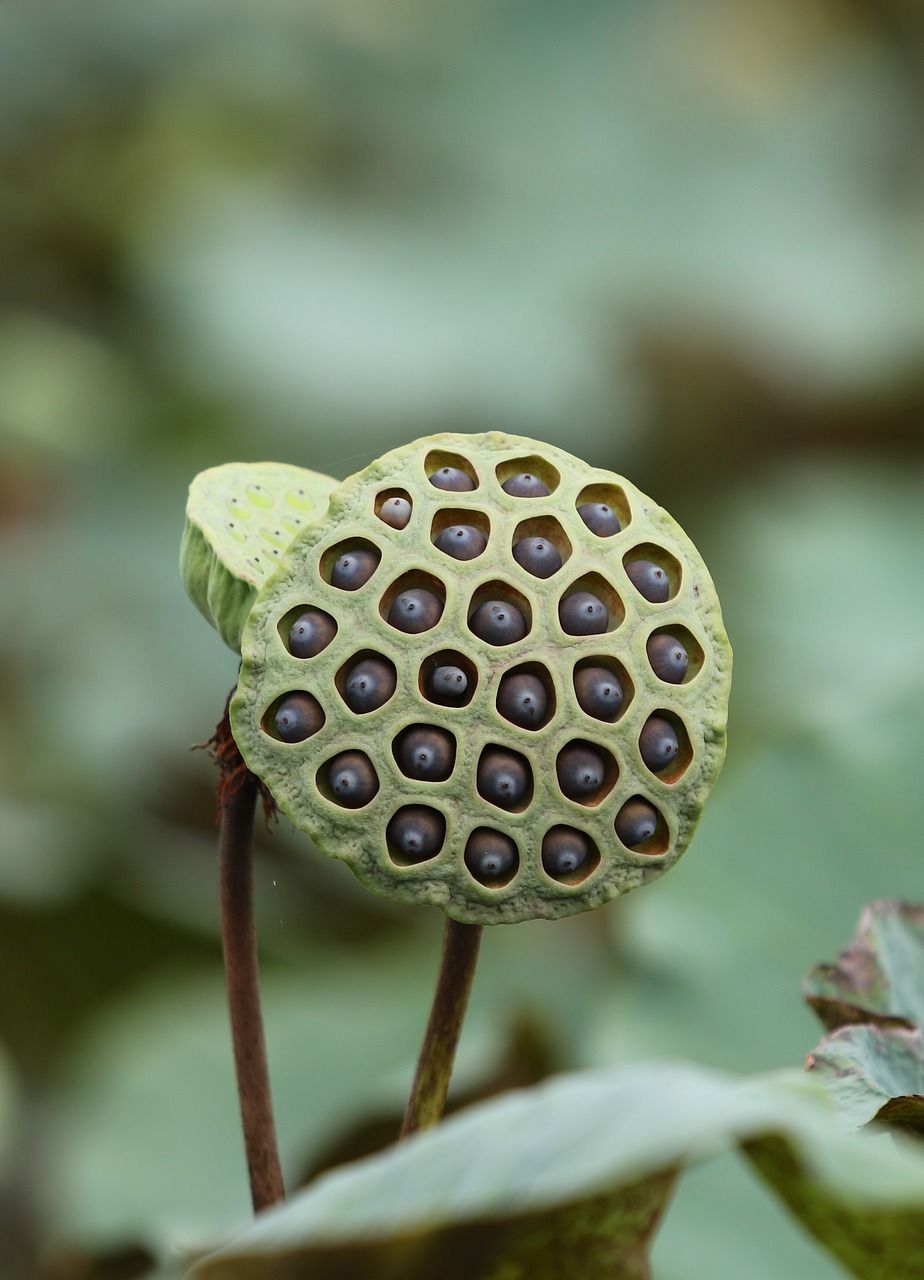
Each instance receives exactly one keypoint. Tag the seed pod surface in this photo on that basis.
(537, 701)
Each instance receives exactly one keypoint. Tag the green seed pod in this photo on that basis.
(458, 801)
(240, 518)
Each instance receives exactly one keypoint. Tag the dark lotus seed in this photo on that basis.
(599, 518)
(352, 779)
(599, 692)
(490, 855)
(415, 610)
(416, 832)
(462, 541)
(564, 851)
(354, 568)
(311, 633)
(497, 622)
(636, 822)
(503, 777)
(298, 716)
(582, 614)
(522, 699)
(395, 512)
(668, 658)
(538, 556)
(658, 743)
(448, 683)
(369, 685)
(427, 753)
(649, 579)
(580, 771)
(452, 478)
(525, 486)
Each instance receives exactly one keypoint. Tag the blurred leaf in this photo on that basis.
(814, 564)
(548, 1182)
(879, 978)
(874, 1073)
(722, 1224)
(873, 1001)
(343, 1025)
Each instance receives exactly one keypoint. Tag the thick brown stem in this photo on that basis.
(434, 1066)
(243, 984)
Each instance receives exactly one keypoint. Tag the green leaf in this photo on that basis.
(874, 1073)
(872, 998)
(879, 978)
(240, 518)
(568, 1180)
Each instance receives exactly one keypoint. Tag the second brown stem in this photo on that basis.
(243, 983)
(437, 1055)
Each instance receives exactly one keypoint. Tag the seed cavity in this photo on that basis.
(641, 827)
(526, 696)
(366, 681)
(491, 857)
(308, 633)
(415, 834)
(350, 779)
(568, 855)
(586, 772)
(603, 688)
(393, 507)
(294, 717)
(654, 572)
(425, 753)
(504, 778)
(499, 615)
(350, 564)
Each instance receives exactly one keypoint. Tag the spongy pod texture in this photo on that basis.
(240, 518)
(514, 698)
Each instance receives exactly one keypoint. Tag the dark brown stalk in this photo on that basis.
(437, 1055)
(238, 789)
(242, 979)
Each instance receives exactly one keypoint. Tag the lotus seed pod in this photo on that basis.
(650, 579)
(298, 716)
(462, 541)
(669, 659)
(600, 519)
(538, 556)
(240, 518)
(311, 632)
(352, 779)
(591, 820)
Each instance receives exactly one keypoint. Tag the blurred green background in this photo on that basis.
(684, 240)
